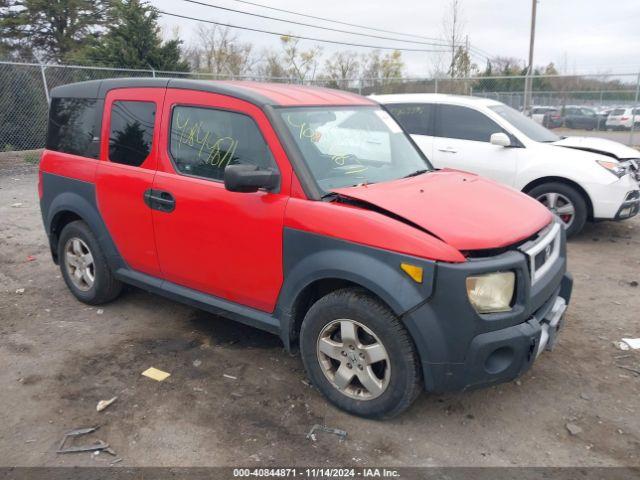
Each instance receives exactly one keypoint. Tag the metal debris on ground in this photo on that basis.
(155, 374)
(621, 345)
(16, 205)
(20, 291)
(117, 460)
(322, 428)
(225, 375)
(97, 446)
(630, 369)
(102, 404)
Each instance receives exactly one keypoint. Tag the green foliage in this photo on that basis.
(133, 40)
(32, 158)
(54, 30)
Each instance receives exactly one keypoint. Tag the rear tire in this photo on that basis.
(557, 197)
(84, 267)
(382, 355)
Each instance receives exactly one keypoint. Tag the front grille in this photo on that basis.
(543, 251)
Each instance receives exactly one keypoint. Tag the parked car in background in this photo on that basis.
(602, 115)
(547, 116)
(579, 117)
(623, 118)
(255, 201)
(489, 138)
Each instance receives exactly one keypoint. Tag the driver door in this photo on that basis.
(209, 239)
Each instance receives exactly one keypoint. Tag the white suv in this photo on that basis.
(491, 139)
(623, 119)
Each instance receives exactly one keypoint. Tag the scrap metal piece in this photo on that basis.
(323, 428)
(99, 445)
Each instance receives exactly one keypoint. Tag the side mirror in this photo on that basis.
(500, 139)
(249, 178)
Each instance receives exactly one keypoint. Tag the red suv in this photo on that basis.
(308, 213)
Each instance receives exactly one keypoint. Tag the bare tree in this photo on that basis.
(341, 67)
(219, 52)
(300, 64)
(271, 65)
(453, 29)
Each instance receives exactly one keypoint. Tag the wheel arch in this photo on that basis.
(314, 291)
(553, 179)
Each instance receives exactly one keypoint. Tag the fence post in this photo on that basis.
(44, 82)
(436, 85)
(635, 106)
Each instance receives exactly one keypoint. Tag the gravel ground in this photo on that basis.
(60, 357)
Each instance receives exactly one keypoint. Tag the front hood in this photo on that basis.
(466, 211)
(599, 145)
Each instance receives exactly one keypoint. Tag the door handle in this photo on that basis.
(159, 200)
(447, 150)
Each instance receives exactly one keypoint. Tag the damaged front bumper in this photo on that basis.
(461, 349)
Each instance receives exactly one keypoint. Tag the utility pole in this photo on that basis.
(528, 79)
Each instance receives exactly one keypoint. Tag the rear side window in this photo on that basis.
(204, 141)
(617, 111)
(465, 124)
(131, 131)
(72, 126)
(416, 119)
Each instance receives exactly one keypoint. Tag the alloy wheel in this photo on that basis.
(78, 261)
(353, 359)
(560, 205)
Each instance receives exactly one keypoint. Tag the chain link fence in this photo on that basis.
(25, 87)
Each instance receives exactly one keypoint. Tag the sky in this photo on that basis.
(578, 36)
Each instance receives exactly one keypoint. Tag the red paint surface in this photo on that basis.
(466, 211)
(365, 227)
(68, 165)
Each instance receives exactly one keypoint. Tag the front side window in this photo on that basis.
(528, 127)
(131, 132)
(72, 126)
(416, 118)
(204, 141)
(347, 146)
(465, 124)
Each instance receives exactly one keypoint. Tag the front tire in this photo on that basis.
(359, 355)
(84, 267)
(565, 202)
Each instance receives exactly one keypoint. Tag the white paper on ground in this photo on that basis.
(632, 342)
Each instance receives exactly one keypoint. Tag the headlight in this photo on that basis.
(614, 167)
(491, 292)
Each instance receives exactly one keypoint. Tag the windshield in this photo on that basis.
(347, 146)
(528, 127)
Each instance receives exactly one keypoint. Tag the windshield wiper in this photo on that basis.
(416, 173)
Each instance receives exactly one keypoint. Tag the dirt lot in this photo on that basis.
(58, 358)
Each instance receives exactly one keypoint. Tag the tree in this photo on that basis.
(133, 40)
(53, 30)
(217, 51)
(301, 65)
(342, 67)
(453, 25)
(271, 65)
(379, 69)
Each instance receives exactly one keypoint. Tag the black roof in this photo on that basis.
(99, 88)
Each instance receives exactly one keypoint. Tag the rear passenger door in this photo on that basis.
(462, 142)
(418, 120)
(225, 244)
(129, 151)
